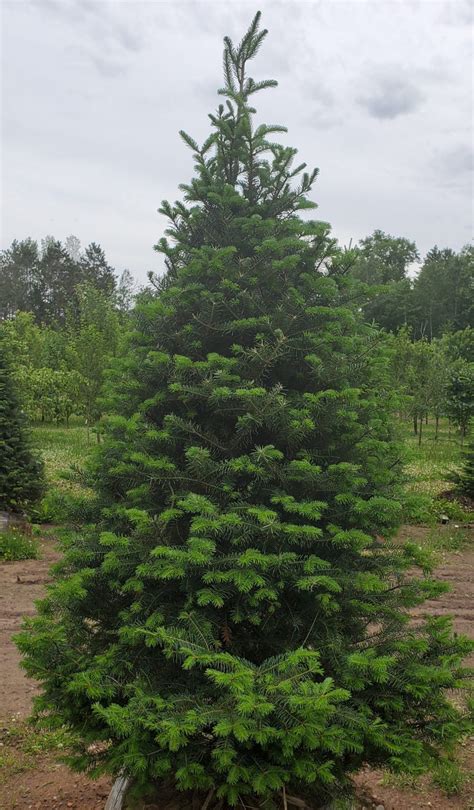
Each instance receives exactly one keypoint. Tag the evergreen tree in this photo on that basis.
(465, 479)
(21, 474)
(45, 282)
(236, 619)
(96, 271)
(53, 288)
(442, 292)
(18, 267)
(460, 395)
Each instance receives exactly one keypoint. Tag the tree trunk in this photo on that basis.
(420, 432)
(118, 793)
(436, 428)
(415, 425)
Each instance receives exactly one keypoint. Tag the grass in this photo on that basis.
(22, 742)
(448, 774)
(430, 464)
(62, 448)
(445, 538)
(450, 777)
(16, 545)
(427, 469)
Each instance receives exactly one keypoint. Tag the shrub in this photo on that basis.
(465, 478)
(61, 506)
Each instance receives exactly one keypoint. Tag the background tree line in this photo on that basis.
(62, 314)
(64, 311)
(428, 318)
(437, 300)
(45, 279)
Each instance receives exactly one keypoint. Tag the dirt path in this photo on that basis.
(21, 584)
(457, 568)
(29, 780)
(40, 782)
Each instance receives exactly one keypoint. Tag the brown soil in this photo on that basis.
(21, 584)
(48, 784)
(45, 783)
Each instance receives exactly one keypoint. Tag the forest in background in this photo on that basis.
(65, 313)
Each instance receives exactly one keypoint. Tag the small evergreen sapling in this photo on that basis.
(236, 621)
(465, 478)
(21, 473)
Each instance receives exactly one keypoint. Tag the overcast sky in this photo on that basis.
(377, 94)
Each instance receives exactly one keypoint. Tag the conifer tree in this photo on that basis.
(465, 478)
(21, 474)
(235, 623)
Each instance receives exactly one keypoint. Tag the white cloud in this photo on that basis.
(375, 93)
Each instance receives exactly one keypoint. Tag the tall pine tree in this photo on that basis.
(236, 621)
(21, 473)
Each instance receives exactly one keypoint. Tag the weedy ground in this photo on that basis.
(429, 464)
(22, 743)
(15, 544)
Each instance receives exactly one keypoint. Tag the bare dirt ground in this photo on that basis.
(44, 782)
(457, 568)
(38, 781)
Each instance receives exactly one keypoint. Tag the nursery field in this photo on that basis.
(32, 774)
(237, 488)
(427, 464)
(430, 462)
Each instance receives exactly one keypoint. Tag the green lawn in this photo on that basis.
(61, 449)
(429, 464)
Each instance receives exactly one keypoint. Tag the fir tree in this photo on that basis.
(465, 478)
(96, 271)
(236, 619)
(21, 474)
(18, 265)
